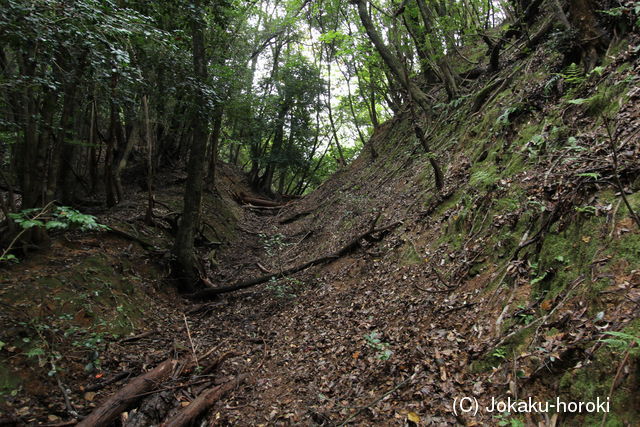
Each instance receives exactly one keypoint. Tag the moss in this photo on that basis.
(9, 382)
(484, 177)
(410, 256)
(528, 131)
(510, 348)
(567, 254)
(594, 381)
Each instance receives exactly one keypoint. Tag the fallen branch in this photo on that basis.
(111, 408)
(138, 337)
(103, 384)
(247, 200)
(125, 235)
(202, 403)
(353, 244)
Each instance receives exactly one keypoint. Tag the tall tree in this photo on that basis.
(184, 244)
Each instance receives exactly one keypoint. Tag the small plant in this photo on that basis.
(587, 210)
(572, 144)
(500, 353)
(622, 342)
(536, 145)
(282, 287)
(60, 218)
(382, 348)
(272, 244)
(503, 120)
(505, 419)
(523, 314)
(573, 75)
(56, 218)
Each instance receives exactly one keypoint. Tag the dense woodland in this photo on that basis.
(95, 92)
(102, 101)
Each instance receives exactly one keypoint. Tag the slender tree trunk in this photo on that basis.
(215, 142)
(351, 108)
(150, 169)
(276, 149)
(390, 60)
(330, 111)
(184, 244)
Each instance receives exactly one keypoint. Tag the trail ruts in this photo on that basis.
(349, 247)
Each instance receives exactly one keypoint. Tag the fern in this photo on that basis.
(623, 342)
(573, 75)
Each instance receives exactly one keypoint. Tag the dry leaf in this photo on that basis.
(413, 417)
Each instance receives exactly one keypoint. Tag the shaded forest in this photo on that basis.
(205, 203)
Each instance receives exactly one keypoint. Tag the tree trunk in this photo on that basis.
(390, 60)
(215, 142)
(593, 41)
(184, 247)
(278, 140)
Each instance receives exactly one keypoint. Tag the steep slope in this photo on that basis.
(503, 285)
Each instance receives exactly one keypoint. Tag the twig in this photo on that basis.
(106, 382)
(15, 239)
(362, 408)
(616, 175)
(193, 350)
(469, 304)
(615, 380)
(67, 402)
(137, 337)
(173, 387)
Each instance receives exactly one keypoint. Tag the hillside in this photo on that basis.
(375, 299)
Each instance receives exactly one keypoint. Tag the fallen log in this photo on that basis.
(202, 403)
(111, 408)
(349, 247)
(248, 200)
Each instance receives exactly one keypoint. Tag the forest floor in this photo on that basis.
(502, 285)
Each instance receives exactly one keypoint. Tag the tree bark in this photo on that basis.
(394, 65)
(184, 244)
(110, 409)
(202, 403)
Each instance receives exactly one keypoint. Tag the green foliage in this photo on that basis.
(573, 75)
(375, 342)
(499, 353)
(60, 218)
(630, 9)
(505, 419)
(622, 342)
(503, 119)
(57, 218)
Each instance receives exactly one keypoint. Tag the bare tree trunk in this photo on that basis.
(215, 142)
(150, 169)
(184, 244)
